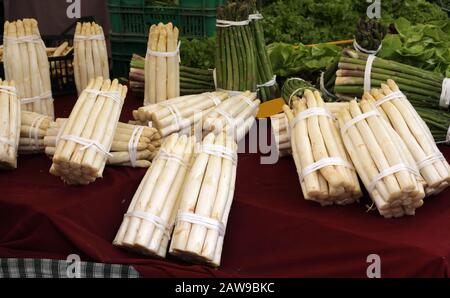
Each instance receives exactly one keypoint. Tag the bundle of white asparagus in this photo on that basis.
(147, 225)
(206, 201)
(10, 115)
(26, 62)
(133, 145)
(325, 171)
(32, 132)
(86, 140)
(281, 133)
(179, 113)
(235, 116)
(162, 64)
(90, 54)
(382, 160)
(402, 116)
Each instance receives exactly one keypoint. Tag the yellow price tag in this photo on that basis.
(270, 108)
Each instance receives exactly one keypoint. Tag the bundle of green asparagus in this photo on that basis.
(26, 63)
(295, 87)
(195, 80)
(399, 112)
(382, 160)
(134, 146)
(358, 72)
(81, 154)
(206, 200)
(162, 68)
(325, 172)
(179, 113)
(32, 132)
(369, 36)
(10, 115)
(90, 55)
(147, 225)
(236, 54)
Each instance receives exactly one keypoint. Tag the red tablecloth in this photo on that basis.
(272, 232)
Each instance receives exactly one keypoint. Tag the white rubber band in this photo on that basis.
(164, 155)
(225, 23)
(216, 100)
(325, 162)
(387, 172)
(7, 141)
(197, 219)
(310, 113)
(35, 128)
(23, 39)
(46, 95)
(217, 150)
(166, 54)
(394, 95)
(270, 83)
(87, 144)
(156, 220)
(175, 112)
(133, 144)
(114, 95)
(99, 37)
(255, 16)
(359, 118)
(445, 95)
(363, 50)
(368, 73)
(228, 117)
(8, 90)
(322, 86)
(249, 101)
(429, 160)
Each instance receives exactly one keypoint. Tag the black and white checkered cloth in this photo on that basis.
(47, 268)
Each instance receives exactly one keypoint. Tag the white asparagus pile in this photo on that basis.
(10, 114)
(325, 171)
(402, 116)
(147, 225)
(235, 115)
(90, 54)
(133, 145)
(206, 201)
(162, 68)
(84, 145)
(26, 62)
(33, 129)
(281, 133)
(179, 113)
(382, 160)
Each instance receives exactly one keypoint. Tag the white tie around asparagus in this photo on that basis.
(26, 63)
(10, 115)
(162, 64)
(402, 116)
(147, 225)
(206, 201)
(325, 171)
(32, 132)
(90, 54)
(382, 160)
(133, 145)
(84, 145)
(179, 113)
(235, 115)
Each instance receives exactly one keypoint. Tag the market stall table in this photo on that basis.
(272, 231)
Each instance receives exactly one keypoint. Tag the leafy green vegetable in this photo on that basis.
(311, 21)
(426, 46)
(198, 52)
(289, 61)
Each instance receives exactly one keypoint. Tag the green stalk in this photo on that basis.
(239, 51)
(218, 58)
(229, 65)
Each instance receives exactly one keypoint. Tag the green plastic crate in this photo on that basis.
(134, 17)
(120, 65)
(201, 3)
